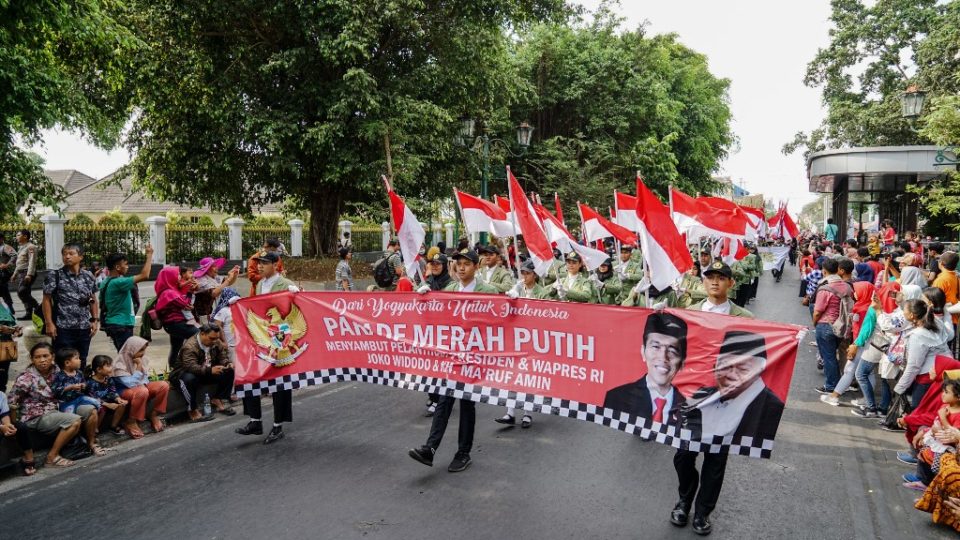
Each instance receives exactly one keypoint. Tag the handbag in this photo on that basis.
(899, 407)
(8, 351)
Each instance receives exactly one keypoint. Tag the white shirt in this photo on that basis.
(528, 293)
(267, 283)
(569, 281)
(722, 418)
(654, 394)
(226, 317)
(206, 352)
(710, 307)
(469, 287)
(487, 273)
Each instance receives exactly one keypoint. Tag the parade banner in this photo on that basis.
(773, 256)
(692, 380)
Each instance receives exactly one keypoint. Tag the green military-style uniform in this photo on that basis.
(281, 284)
(481, 287)
(538, 292)
(499, 278)
(578, 289)
(611, 290)
(693, 291)
(557, 268)
(632, 272)
(635, 299)
(735, 310)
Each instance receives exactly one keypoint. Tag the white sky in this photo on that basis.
(762, 46)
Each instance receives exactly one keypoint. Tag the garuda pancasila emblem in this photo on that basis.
(278, 335)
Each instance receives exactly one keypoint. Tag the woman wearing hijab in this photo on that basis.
(909, 273)
(896, 326)
(174, 307)
(223, 316)
(864, 272)
(863, 296)
(871, 344)
(131, 374)
(608, 284)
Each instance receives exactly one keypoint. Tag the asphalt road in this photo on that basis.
(342, 472)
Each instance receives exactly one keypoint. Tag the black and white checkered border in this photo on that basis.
(648, 429)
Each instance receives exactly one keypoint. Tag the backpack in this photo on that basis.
(843, 326)
(383, 273)
(151, 316)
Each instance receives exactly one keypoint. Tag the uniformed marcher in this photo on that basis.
(466, 282)
(557, 269)
(608, 284)
(741, 277)
(492, 272)
(436, 280)
(701, 491)
(574, 286)
(630, 267)
(271, 281)
(637, 297)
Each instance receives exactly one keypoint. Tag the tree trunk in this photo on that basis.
(325, 206)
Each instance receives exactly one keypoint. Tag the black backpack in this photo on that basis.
(383, 273)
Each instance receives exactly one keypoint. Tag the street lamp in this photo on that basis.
(483, 142)
(911, 102)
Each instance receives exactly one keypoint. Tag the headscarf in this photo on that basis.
(603, 276)
(863, 293)
(123, 367)
(910, 275)
(224, 299)
(864, 272)
(888, 296)
(927, 411)
(910, 292)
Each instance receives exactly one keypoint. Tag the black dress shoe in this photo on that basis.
(275, 435)
(460, 462)
(701, 525)
(680, 514)
(424, 455)
(252, 428)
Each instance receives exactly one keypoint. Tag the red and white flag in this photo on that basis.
(555, 231)
(730, 206)
(410, 233)
(596, 227)
(757, 219)
(625, 211)
(558, 210)
(483, 216)
(592, 258)
(696, 218)
(664, 250)
(537, 244)
(730, 250)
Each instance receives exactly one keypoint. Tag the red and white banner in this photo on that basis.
(483, 216)
(410, 233)
(664, 249)
(689, 379)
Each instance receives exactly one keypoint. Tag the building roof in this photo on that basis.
(877, 168)
(105, 195)
(69, 179)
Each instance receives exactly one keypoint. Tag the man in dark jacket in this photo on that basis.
(653, 396)
(203, 359)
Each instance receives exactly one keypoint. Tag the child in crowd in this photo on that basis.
(929, 449)
(68, 383)
(873, 244)
(101, 387)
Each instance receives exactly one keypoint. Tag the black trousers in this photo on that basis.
(709, 480)
(23, 292)
(4, 375)
(468, 420)
(22, 436)
(282, 406)
(5, 289)
(190, 384)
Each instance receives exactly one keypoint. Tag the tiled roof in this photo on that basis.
(70, 180)
(105, 195)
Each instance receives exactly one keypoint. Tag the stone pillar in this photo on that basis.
(385, 233)
(235, 236)
(449, 235)
(346, 233)
(158, 238)
(53, 239)
(296, 237)
(437, 233)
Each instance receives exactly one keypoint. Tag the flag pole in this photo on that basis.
(513, 218)
(643, 258)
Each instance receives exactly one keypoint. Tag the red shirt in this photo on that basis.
(828, 305)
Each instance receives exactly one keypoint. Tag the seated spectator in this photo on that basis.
(101, 387)
(37, 407)
(9, 331)
(204, 360)
(11, 428)
(131, 376)
(942, 496)
(68, 382)
(924, 414)
(929, 449)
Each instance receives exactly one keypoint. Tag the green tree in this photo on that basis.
(244, 102)
(60, 65)
(81, 219)
(608, 102)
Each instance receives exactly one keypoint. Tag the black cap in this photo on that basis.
(438, 258)
(626, 247)
(469, 255)
(718, 267)
(744, 344)
(573, 256)
(488, 249)
(269, 257)
(668, 325)
(528, 266)
(608, 262)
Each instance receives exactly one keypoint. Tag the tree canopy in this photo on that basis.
(61, 64)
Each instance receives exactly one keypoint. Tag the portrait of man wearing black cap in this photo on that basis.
(664, 350)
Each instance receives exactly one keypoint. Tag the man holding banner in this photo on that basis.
(705, 485)
(467, 264)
